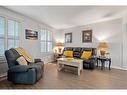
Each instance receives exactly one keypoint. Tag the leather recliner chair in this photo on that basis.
(23, 74)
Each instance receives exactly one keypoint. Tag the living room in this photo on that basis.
(83, 27)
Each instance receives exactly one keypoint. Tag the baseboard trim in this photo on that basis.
(115, 67)
(3, 75)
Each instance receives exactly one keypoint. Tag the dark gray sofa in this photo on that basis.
(23, 74)
(77, 52)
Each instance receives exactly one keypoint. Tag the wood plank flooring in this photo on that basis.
(95, 79)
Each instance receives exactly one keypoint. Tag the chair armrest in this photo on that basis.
(40, 63)
(19, 68)
(37, 60)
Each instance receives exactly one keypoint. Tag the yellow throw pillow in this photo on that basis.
(68, 53)
(86, 54)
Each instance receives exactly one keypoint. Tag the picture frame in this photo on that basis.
(68, 37)
(87, 36)
(31, 35)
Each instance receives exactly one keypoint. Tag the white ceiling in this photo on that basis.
(61, 17)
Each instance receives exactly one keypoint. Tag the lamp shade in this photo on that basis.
(59, 44)
(103, 45)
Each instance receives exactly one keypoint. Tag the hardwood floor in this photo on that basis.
(95, 79)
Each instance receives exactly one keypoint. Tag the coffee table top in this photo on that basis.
(69, 59)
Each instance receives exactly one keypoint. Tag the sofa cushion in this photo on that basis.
(86, 54)
(77, 52)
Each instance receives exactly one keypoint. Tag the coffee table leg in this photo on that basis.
(58, 67)
(78, 71)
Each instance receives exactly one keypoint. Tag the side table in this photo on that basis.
(103, 60)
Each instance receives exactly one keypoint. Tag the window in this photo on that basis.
(46, 40)
(13, 34)
(2, 36)
(9, 34)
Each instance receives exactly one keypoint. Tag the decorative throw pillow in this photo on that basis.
(86, 54)
(21, 60)
(68, 53)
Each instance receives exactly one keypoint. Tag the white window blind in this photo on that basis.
(9, 34)
(13, 34)
(46, 40)
(2, 35)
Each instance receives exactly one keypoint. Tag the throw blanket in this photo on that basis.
(22, 52)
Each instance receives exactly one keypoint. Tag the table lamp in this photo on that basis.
(103, 48)
(59, 47)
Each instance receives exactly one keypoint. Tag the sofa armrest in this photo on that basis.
(19, 68)
(91, 59)
(37, 60)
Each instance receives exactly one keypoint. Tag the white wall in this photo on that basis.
(32, 46)
(124, 65)
(110, 31)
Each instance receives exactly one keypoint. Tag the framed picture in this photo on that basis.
(87, 36)
(31, 35)
(68, 38)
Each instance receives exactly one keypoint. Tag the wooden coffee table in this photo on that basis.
(78, 63)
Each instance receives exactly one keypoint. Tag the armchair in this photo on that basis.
(23, 74)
